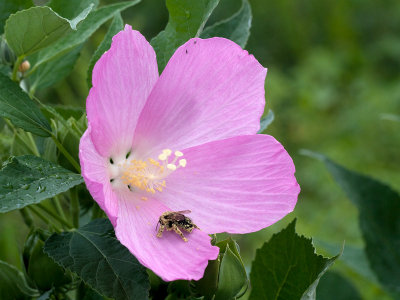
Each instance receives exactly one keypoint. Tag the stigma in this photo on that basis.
(149, 175)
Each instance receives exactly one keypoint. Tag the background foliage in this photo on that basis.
(333, 84)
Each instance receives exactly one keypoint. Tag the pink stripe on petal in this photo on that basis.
(95, 173)
(169, 257)
(237, 185)
(211, 89)
(122, 80)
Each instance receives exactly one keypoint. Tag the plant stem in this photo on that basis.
(56, 202)
(33, 144)
(54, 215)
(27, 217)
(14, 75)
(75, 207)
(66, 154)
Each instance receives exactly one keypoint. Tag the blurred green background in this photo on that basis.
(333, 78)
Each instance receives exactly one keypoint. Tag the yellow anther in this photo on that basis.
(159, 188)
(137, 207)
(182, 163)
(178, 153)
(144, 198)
(171, 167)
(167, 152)
(163, 183)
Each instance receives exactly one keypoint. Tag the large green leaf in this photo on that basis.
(116, 26)
(16, 106)
(30, 30)
(85, 29)
(379, 211)
(236, 28)
(266, 121)
(13, 284)
(28, 179)
(334, 286)
(100, 260)
(8, 7)
(287, 267)
(71, 8)
(186, 20)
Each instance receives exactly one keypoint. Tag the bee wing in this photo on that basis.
(183, 212)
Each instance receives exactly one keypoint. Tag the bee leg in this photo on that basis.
(160, 231)
(177, 230)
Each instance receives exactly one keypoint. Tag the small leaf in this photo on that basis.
(266, 121)
(30, 30)
(232, 276)
(52, 71)
(379, 211)
(8, 7)
(287, 267)
(186, 20)
(334, 286)
(16, 106)
(236, 28)
(86, 28)
(28, 179)
(94, 254)
(71, 8)
(13, 284)
(116, 26)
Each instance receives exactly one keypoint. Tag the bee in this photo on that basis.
(176, 221)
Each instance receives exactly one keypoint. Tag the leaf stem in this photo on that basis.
(26, 216)
(56, 203)
(75, 207)
(66, 153)
(14, 75)
(54, 215)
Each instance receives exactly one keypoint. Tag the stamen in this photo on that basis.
(178, 153)
(171, 167)
(182, 163)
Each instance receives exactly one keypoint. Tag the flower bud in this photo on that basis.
(24, 66)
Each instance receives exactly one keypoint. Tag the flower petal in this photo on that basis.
(94, 171)
(122, 80)
(169, 257)
(211, 89)
(237, 185)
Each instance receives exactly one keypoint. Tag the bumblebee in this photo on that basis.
(176, 221)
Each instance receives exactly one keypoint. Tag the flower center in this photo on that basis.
(149, 174)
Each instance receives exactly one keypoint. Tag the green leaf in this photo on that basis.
(287, 267)
(186, 20)
(266, 121)
(52, 71)
(85, 29)
(16, 106)
(334, 286)
(71, 8)
(30, 30)
(8, 7)
(100, 260)
(232, 276)
(28, 179)
(13, 284)
(116, 26)
(379, 211)
(236, 28)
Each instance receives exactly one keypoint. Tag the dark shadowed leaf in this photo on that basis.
(236, 28)
(334, 286)
(266, 121)
(94, 254)
(13, 284)
(379, 211)
(287, 267)
(8, 7)
(116, 26)
(30, 30)
(28, 179)
(186, 20)
(16, 106)
(71, 8)
(85, 29)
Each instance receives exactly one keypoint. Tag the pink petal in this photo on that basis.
(122, 80)
(236, 185)
(95, 173)
(211, 89)
(169, 257)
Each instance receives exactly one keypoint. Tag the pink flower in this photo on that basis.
(185, 140)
